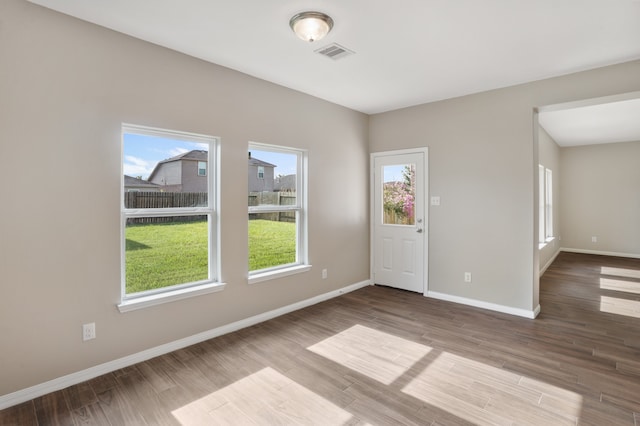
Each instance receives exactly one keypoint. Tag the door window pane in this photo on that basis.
(398, 194)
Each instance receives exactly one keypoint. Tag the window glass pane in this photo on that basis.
(398, 194)
(165, 251)
(272, 172)
(272, 240)
(163, 166)
(549, 203)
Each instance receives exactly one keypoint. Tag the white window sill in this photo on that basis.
(169, 296)
(278, 273)
(545, 242)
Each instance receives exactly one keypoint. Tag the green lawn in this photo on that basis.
(271, 243)
(161, 255)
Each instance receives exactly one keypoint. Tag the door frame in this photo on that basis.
(421, 150)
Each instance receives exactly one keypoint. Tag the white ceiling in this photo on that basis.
(408, 52)
(607, 122)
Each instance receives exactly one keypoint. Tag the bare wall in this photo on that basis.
(482, 164)
(66, 88)
(601, 197)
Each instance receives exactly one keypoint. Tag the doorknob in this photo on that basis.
(419, 230)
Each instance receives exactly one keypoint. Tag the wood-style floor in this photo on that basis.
(381, 356)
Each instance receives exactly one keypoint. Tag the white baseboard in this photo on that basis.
(600, 253)
(546, 265)
(486, 305)
(92, 372)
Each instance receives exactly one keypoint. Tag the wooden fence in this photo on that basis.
(273, 199)
(149, 200)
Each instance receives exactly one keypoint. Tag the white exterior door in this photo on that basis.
(399, 230)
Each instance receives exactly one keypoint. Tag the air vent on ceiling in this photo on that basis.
(335, 51)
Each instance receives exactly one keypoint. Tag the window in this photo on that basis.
(277, 212)
(202, 168)
(548, 211)
(398, 194)
(169, 231)
(545, 205)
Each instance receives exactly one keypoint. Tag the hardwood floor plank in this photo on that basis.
(52, 409)
(90, 415)
(21, 414)
(118, 409)
(80, 395)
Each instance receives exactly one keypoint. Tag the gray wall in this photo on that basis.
(549, 157)
(66, 86)
(483, 163)
(600, 187)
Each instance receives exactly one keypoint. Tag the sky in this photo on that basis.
(393, 173)
(142, 153)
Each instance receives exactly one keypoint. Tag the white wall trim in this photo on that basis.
(486, 305)
(601, 253)
(546, 265)
(98, 370)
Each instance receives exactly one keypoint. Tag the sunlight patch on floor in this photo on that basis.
(615, 305)
(482, 394)
(620, 272)
(265, 397)
(620, 285)
(373, 353)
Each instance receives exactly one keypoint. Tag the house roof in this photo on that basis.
(256, 162)
(194, 154)
(130, 181)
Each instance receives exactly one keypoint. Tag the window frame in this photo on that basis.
(134, 301)
(205, 168)
(301, 263)
(548, 216)
(260, 172)
(545, 205)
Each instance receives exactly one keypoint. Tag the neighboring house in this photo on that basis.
(260, 175)
(188, 173)
(138, 184)
(286, 183)
(183, 173)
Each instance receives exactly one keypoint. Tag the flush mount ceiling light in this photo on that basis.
(311, 26)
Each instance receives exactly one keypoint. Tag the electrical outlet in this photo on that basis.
(467, 277)
(324, 274)
(88, 331)
(594, 239)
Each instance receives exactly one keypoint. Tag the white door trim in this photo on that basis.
(373, 156)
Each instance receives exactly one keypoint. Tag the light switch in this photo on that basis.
(435, 201)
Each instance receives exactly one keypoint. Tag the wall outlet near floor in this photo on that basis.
(467, 277)
(324, 274)
(594, 239)
(88, 331)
